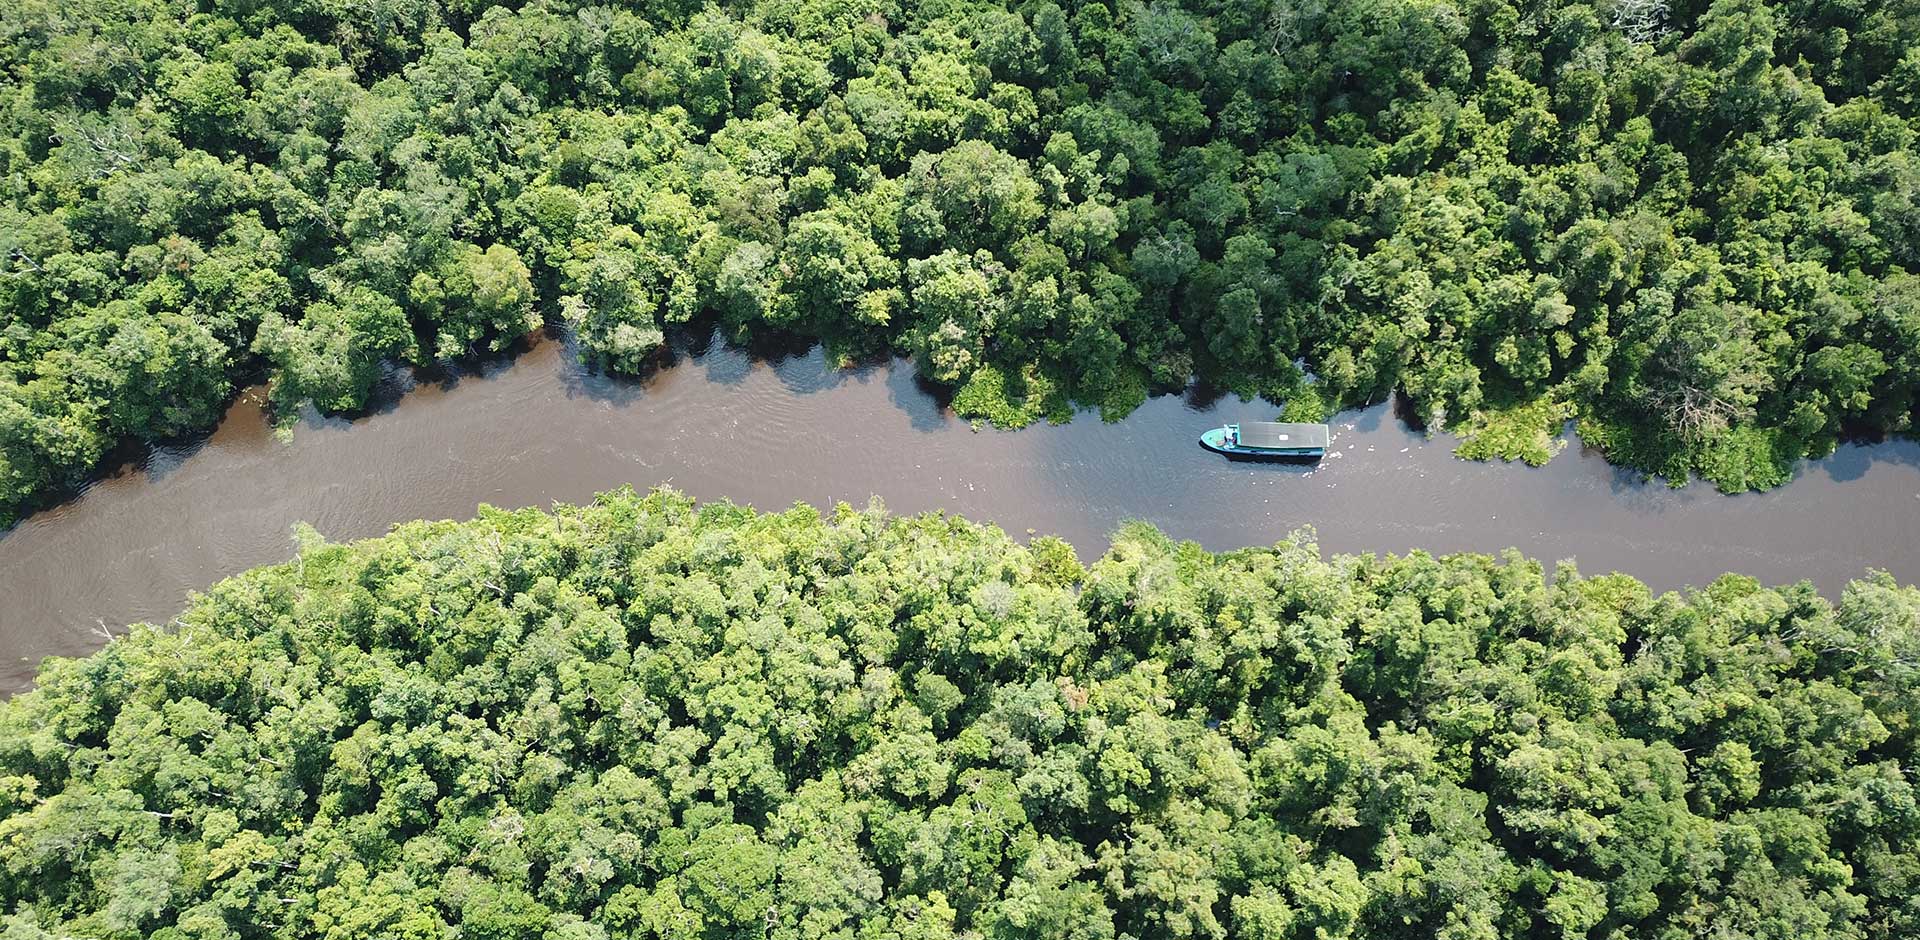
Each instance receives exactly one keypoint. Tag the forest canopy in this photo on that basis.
(1693, 226)
(646, 718)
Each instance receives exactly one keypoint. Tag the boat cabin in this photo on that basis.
(1269, 439)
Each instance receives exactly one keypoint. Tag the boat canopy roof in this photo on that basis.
(1271, 435)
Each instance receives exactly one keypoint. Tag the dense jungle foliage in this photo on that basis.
(1693, 225)
(643, 718)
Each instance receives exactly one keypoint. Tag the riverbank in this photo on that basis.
(719, 422)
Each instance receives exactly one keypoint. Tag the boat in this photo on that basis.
(1268, 440)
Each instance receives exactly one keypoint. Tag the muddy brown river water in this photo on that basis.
(722, 423)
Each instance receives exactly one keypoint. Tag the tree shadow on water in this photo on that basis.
(1368, 418)
(163, 459)
(928, 405)
(152, 460)
(687, 346)
(805, 366)
(582, 375)
(393, 386)
(812, 370)
(1636, 489)
(1202, 396)
(1407, 413)
(796, 360)
(481, 363)
(1860, 454)
(720, 362)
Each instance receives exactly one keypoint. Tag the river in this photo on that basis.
(719, 422)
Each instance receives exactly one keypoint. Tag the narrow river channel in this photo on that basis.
(721, 423)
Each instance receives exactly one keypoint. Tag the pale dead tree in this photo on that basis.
(112, 143)
(1289, 22)
(1166, 32)
(1705, 373)
(1642, 20)
(22, 264)
(1694, 413)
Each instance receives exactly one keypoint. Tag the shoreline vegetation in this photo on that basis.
(647, 717)
(1691, 227)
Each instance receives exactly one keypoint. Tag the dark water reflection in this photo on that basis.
(769, 430)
